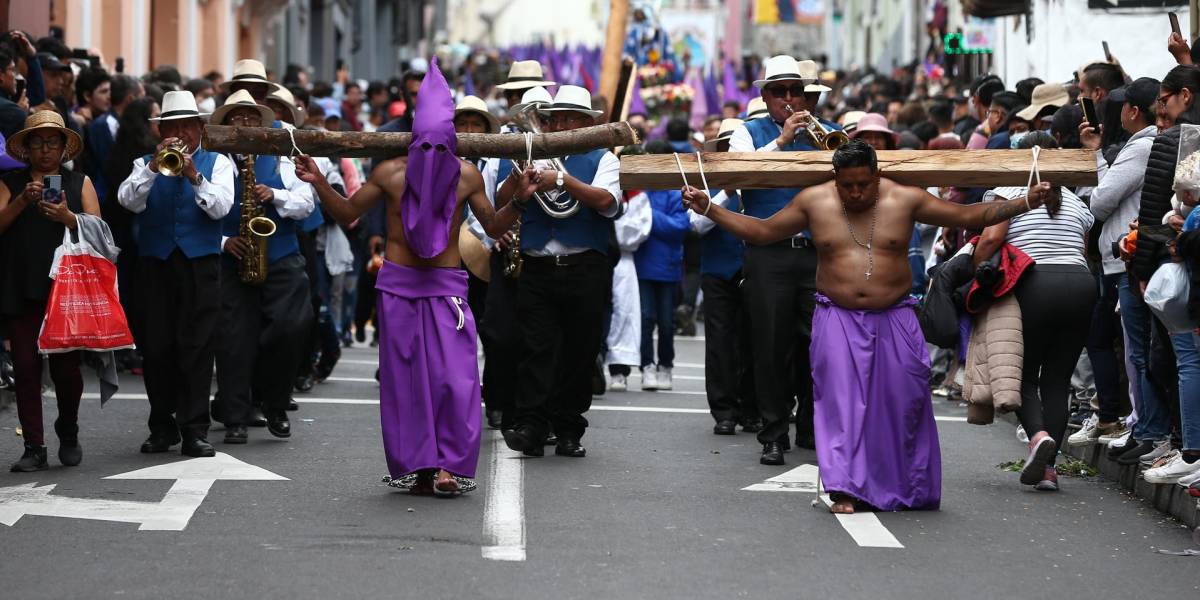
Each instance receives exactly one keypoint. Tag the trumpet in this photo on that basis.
(170, 160)
(825, 138)
(526, 120)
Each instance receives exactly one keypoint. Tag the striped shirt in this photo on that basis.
(1060, 240)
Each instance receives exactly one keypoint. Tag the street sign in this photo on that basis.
(193, 478)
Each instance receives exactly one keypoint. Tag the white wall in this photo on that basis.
(524, 21)
(1067, 34)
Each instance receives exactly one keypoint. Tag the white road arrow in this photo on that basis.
(193, 478)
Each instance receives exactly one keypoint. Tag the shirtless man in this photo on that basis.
(429, 379)
(876, 437)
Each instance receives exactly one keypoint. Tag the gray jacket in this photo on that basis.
(1116, 200)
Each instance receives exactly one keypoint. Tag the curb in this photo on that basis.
(1166, 498)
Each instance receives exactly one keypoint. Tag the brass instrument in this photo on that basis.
(170, 160)
(253, 227)
(527, 120)
(512, 256)
(826, 139)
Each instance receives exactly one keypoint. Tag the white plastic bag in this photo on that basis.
(1167, 297)
(1187, 166)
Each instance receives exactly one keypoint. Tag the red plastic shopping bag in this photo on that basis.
(84, 312)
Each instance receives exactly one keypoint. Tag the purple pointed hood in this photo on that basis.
(431, 178)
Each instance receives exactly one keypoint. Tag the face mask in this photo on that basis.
(207, 105)
(431, 177)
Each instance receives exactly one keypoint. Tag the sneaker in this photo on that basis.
(1049, 482)
(649, 379)
(1192, 478)
(664, 378)
(33, 459)
(1131, 454)
(618, 384)
(941, 390)
(1160, 450)
(1118, 446)
(1111, 432)
(1040, 455)
(1173, 471)
(1079, 418)
(1086, 434)
(1021, 435)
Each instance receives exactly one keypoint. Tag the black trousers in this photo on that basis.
(561, 312)
(1103, 333)
(502, 347)
(264, 330)
(181, 310)
(728, 379)
(779, 287)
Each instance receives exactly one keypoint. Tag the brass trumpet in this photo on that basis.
(826, 139)
(170, 160)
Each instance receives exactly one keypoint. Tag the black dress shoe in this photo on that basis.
(772, 454)
(551, 439)
(279, 426)
(786, 444)
(494, 419)
(725, 427)
(157, 443)
(256, 418)
(198, 448)
(523, 440)
(33, 459)
(70, 455)
(304, 383)
(567, 447)
(752, 425)
(292, 405)
(236, 434)
(806, 441)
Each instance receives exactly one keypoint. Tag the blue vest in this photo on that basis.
(284, 243)
(720, 251)
(764, 203)
(173, 220)
(584, 229)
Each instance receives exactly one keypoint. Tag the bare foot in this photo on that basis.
(446, 483)
(842, 505)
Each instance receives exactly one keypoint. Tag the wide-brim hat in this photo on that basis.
(242, 99)
(811, 75)
(178, 105)
(572, 98)
(781, 68)
(756, 108)
(474, 254)
(728, 126)
(534, 96)
(284, 96)
(850, 120)
(40, 120)
(524, 74)
(247, 71)
(1047, 94)
(474, 104)
(877, 123)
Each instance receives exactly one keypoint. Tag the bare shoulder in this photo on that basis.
(470, 173)
(816, 193)
(384, 170)
(900, 193)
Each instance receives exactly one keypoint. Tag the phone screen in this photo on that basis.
(52, 188)
(1174, 22)
(20, 89)
(1089, 113)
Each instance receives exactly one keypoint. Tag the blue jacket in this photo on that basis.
(660, 257)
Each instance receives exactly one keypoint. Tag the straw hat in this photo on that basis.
(178, 105)
(728, 126)
(524, 74)
(43, 119)
(782, 68)
(247, 71)
(572, 98)
(283, 96)
(473, 104)
(1047, 94)
(474, 254)
(810, 72)
(756, 108)
(242, 99)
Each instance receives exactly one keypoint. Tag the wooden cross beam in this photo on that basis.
(347, 144)
(921, 168)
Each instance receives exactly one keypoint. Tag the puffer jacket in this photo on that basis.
(995, 355)
(1156, 199)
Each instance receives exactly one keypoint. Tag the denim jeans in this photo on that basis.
(1187, 355)
(1101, 337)
(658, 308)
(1154, 422)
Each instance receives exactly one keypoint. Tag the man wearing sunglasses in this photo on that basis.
(780, 278)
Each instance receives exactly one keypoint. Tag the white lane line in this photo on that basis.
(652, 409)
(352, 361)
(864, 527)
(353, 380)
(504, 507)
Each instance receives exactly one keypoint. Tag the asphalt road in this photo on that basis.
(657, 509)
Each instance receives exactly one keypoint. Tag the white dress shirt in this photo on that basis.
(701, 224)
(608, 177)
(214, 197)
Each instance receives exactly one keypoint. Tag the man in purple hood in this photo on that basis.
(429, 379)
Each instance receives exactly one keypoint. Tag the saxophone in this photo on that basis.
(512, 256)
(255, 228)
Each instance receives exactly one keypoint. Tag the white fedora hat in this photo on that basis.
(537, 96)
(728, 126)
(780, 68)
(178, 105)
(811, 74)
(242, 99)
(248, 70)
(524, 74)
(473, 104)
(756, 108)
(572, 98)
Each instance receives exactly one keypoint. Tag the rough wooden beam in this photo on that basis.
(922, 168)
(277, 142)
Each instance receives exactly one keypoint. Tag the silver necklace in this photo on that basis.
(870, 237)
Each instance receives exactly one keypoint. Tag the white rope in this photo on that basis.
(703, 179)
(462, 320)
(295, 148)
(1034, 172)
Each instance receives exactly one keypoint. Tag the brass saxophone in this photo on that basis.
(512, 256)
(255, 228)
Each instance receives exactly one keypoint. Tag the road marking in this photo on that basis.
(504, 507)
(652, 409)
(673, 376)
(352, 380)
(864, 527)
(193, 479)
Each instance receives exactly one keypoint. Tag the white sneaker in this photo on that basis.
(618, 384)
(1120, 442)
(1162, 449)
(1171, 472)
(1121, 432)
(1086, 434)
(1021, 435)
(649, 379)
(664, 378)
(1187, 480)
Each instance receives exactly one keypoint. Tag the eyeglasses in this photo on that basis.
(36, 143)
(1162, 100)
(780, 91)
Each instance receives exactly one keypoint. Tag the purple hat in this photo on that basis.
(875, 122)
(431, 177)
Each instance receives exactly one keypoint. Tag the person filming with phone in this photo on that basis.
(37, 204)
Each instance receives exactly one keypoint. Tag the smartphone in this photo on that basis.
(120, 66)
(20, 89)
(1089, 113)
(1174, 22)
(1107, 54)
(52, 188)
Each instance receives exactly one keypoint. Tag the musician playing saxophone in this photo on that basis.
(265, 322)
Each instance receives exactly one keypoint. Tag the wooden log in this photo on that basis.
(921, 168)
(614, 45)
(277, 142)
